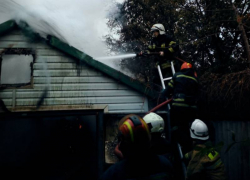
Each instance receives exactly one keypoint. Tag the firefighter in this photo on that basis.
(137, 162)
(167, 48)
(183, 88)
(162, 43)
(159, 144)
(204, 162)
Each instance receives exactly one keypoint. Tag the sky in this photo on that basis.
(79, 23)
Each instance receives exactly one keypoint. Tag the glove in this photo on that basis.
(162, 95)
(143, 53)
(146, 53)
(139, 54)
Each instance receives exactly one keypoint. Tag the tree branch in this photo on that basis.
(244, 36)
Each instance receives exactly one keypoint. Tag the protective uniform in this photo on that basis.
(163, 43)
(129, 138)
(204, 162)
(138, 162)
(166, 44)
(159, 145)
(204, 166)
(184, 89)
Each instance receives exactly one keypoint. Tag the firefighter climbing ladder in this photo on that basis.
(168, 137)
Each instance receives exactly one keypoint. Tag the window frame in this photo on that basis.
(19, 51)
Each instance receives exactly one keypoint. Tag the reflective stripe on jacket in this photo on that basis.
(166, 44)
(206, 166)
(184, 87)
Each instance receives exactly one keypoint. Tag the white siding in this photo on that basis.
(69, 84)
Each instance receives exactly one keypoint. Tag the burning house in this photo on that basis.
(59, 106)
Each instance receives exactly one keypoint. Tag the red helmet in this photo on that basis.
(186, 65)
(134, 130)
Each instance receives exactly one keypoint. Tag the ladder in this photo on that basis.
(165, 79)
(168, 135)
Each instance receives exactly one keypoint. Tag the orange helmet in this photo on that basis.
(134, 130)
(186, 65)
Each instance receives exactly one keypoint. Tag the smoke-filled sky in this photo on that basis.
(80, 23)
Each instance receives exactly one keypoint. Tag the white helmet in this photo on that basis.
(199, 130)
(155, 122)
(158, 27)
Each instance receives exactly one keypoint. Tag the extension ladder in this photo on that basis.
(168, 135)
(165, 79)
(168, 78)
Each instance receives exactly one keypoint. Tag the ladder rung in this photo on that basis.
(167, 78)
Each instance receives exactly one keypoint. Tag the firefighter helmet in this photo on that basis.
(186, 65)
(199, 130)
(155, 122)
(158, 27)
(134, 130)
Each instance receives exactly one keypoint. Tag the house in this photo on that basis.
(70, 77)
(58, 96)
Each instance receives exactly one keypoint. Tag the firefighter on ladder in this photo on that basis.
(167, 48)
(183, 88)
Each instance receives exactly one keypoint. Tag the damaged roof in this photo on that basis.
(72, 51)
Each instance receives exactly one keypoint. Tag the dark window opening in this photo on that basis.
(16, 68)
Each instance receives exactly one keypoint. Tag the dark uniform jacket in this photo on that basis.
(166, 44)
(205, 166)
(184, 88)
(147, 167)
(159, 145)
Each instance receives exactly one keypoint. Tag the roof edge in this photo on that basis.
(135, 84)
(7, 26)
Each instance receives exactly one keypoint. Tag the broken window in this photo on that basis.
(16, 67)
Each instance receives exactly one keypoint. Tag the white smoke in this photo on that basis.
(79, 23)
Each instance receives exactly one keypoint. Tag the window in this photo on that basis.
(16, 68)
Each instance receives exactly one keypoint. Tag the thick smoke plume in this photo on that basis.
(80, 23)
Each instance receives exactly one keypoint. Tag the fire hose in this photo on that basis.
(160, 105)
(146, 53)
